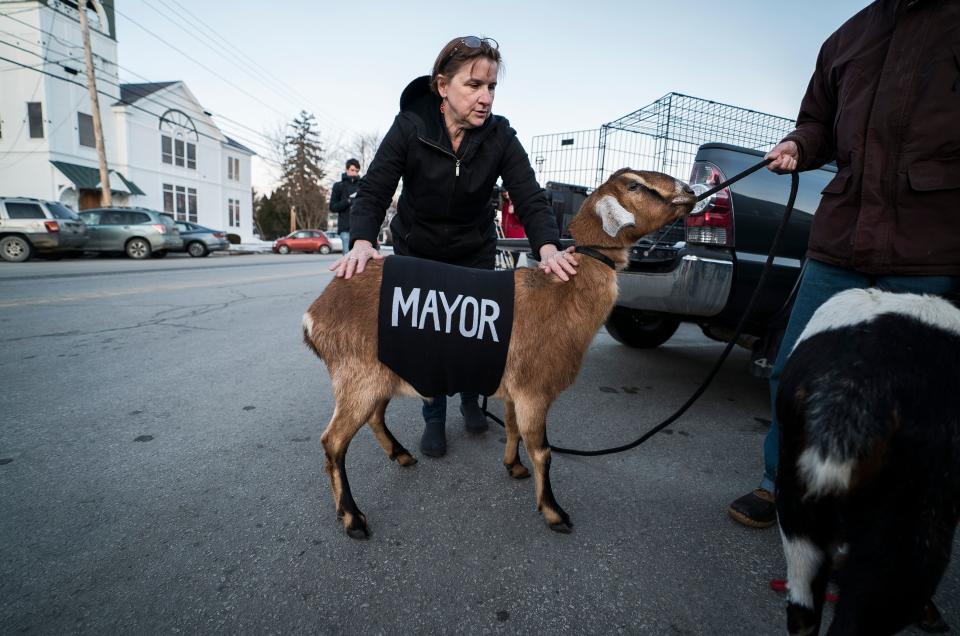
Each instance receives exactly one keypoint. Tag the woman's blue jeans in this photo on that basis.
(437, 409)
(820, 282)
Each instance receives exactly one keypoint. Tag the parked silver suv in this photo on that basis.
(29, 226)
(138, 232)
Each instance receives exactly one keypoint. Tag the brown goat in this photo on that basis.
(341, 328)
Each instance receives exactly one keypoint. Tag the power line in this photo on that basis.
(202, 65)
(263, 73)
(265, 147)
(238, 50)
(104, 93)
(192, 31)
(270, 141)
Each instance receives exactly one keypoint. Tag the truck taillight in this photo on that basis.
(52, 226)
(160, 227)
(713, 225)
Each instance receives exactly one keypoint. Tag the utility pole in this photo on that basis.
(293, 219)
(106, 199)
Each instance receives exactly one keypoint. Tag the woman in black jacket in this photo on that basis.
(450, 150)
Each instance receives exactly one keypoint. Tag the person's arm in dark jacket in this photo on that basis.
(814, 133)
(376, 188)
(338, 202)
(529, 199)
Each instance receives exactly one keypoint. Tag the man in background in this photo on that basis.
(341, 200)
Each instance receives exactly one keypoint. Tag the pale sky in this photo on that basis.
(568, 65)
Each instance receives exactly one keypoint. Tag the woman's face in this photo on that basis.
(469, 93)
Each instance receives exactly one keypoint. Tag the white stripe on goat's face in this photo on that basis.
(614, 216)
(824, 475)
(856, 306)
(803, 563)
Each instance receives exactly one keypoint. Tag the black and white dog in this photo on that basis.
(869, 478)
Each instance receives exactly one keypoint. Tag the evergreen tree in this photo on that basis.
(272, 215)
(302, 173)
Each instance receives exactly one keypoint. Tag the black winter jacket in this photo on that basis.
(445, 212)
(340, 201)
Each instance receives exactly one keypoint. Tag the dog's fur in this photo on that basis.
(554, 323)
(869, 476)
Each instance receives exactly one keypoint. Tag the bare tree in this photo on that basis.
(362, 148)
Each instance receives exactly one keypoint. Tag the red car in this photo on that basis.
(303, 241)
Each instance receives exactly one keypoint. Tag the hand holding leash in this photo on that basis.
(785, 156)
(356, 260)
(563, 264)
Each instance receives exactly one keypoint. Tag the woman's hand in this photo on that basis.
(563, 264)
(354, 262)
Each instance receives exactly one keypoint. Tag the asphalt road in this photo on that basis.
(161, 471)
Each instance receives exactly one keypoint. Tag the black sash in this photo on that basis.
(445, 328)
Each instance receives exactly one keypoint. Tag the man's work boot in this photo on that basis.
(473, 418)
(757, 509)
(434, 439)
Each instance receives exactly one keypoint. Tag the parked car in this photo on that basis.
(137, 232)
(336, 243)
(199, 240)
(705, 269)
(32, 226)
(303, 241)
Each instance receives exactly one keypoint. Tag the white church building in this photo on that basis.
(164, 151)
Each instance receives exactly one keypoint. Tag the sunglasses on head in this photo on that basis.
(473, 42)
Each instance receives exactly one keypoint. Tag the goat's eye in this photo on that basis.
(634, 186)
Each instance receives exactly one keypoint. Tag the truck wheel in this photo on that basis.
(15, 249)
(637, 329)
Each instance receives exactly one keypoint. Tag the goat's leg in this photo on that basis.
(532, 420)
(806, 528)
(511, 454)
(336, 438)
(395, 450)
(900, 537)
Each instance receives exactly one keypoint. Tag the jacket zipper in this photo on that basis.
(446, 152)
(456, 168)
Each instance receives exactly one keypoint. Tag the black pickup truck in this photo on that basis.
(705, 268)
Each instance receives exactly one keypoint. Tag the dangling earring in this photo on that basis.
(443, 106)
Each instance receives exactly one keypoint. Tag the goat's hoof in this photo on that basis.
(517, 470)
(931, 621)
(406, 459)
(559, 521)
(357, 528)
(360, 534)
(563, 527)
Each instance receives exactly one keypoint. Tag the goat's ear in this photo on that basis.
(614, 216)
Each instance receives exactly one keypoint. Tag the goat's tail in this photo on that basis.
(308, 333)
(847, 426)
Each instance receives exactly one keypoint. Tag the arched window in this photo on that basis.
(96, 16)
(178, 139)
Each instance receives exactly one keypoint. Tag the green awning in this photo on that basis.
(130, 184)
(87, 178)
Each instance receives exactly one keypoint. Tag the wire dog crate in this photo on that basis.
(662, 136)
